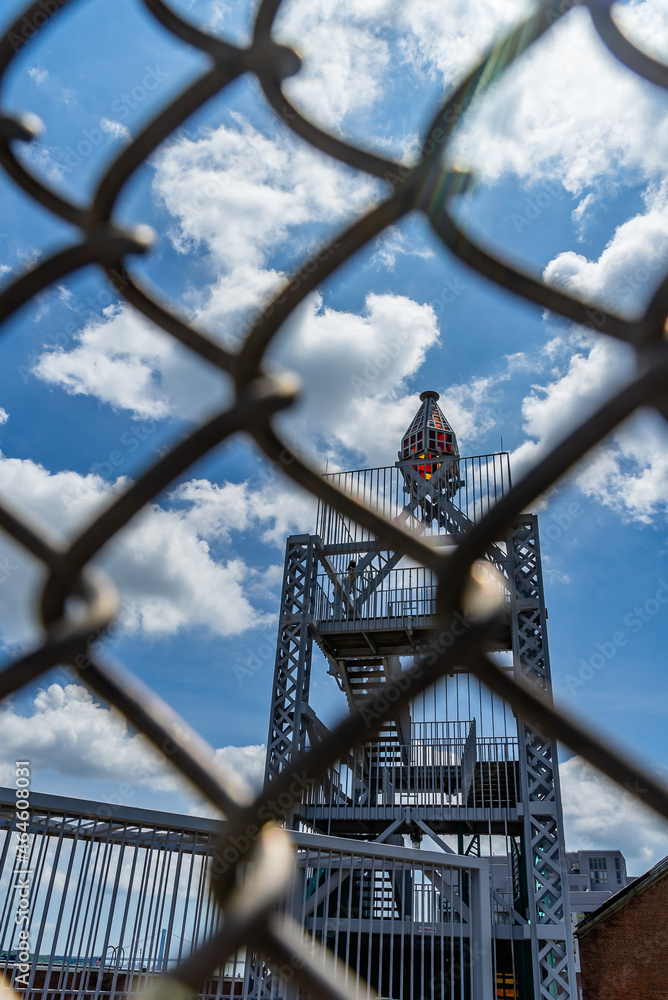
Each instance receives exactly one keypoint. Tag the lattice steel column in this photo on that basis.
(292, 672)
(547, 879)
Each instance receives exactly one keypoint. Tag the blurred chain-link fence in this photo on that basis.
(247, 894)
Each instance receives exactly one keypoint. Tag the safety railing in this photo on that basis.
(117, 897)
(121, 896)
(401, 593)
(402, 923)
(384, 598)
(484, 480)
(454, 779)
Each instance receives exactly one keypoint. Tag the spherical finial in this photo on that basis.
(429, 394)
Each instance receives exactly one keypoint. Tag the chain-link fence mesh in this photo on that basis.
(247, 894)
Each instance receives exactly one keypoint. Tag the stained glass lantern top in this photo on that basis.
(429, 438)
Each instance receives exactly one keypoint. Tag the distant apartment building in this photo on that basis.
(593, 877)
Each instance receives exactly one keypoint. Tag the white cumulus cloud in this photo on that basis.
(629, 472)
(68, 732)
(116, 358)
(164, 563)
(354, 368)
(568, 111)
(241, 192)
(599, 814)
(354, 51)
(535, 124)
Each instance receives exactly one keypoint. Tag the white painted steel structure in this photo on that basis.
(457, 768)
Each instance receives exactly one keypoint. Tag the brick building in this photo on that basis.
(624, 943)
(593, 876)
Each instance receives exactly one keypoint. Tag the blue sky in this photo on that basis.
(568, 154)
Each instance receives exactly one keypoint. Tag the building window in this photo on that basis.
(598, 870)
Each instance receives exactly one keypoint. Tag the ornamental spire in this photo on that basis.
(429, 459)
(429, 436)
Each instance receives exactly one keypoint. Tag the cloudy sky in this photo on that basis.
(568, 152)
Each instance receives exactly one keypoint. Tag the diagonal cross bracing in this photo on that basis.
(549, 910)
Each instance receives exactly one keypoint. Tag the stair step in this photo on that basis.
(495, 783)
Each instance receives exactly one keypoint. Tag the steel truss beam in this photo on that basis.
(549, 908)
(292, 672)
(424, 495)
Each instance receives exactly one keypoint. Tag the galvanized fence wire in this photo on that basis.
(248, 893)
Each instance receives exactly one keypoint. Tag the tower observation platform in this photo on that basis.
(456, 771)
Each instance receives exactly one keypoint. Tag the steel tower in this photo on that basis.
(457, 770)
